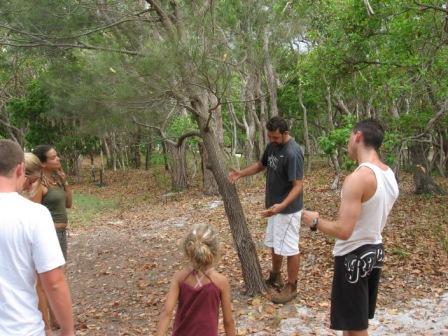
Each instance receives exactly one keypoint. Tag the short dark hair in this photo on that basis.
(277, 123)
(41, 152)
(372, 131)
(11, 154)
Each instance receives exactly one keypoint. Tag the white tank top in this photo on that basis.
(374, 212)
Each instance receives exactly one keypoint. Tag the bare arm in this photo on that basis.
(170, 304)
(37, 198)
(248, 171)
(349, 211)
(68, 196)
(229, 323)
(297, 187)
(58, 294)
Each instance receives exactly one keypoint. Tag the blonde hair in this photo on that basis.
(201, 246)
(33, 166)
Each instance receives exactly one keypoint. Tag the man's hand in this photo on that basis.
(273, 210)
(308, 216)
(233, 175)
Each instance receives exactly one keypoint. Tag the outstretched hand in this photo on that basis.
(233, 175)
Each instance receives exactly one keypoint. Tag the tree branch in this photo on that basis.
(187, 135)
(80, 45)
(95, 30)
(210, 113)
(437, 116)
(376, 63)
(158, 129)
(424, 7)
(368, 8)
(166, 21)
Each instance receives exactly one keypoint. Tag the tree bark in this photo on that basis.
(106, 150)
(248, 119)
(136, 156)
(243, 240)
(424, 183)
(210, 187)
(270, 74)
(334, 155)
(148, 152)
(262, 120)
(177, 163)
(305, 135)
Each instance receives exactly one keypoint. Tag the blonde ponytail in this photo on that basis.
(33, 167)
(201, 246)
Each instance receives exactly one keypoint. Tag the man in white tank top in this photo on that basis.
(367, 197)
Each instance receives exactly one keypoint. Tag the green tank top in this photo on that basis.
(54, 200)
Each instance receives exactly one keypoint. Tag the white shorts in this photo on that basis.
(282, 233)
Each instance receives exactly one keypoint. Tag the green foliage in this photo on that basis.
(31, 112)
(338, 137)
(392, 141)
(394, 60)
(157, 159)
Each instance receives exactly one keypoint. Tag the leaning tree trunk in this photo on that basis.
(210, 187)
(424, 183)
(238, 225)
(177, 163)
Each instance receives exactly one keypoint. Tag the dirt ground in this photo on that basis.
(120, 264)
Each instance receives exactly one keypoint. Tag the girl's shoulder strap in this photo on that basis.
(188, 272)
(208, 272)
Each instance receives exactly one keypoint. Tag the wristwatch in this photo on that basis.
(314, 223)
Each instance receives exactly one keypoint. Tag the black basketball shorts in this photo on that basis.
(355, 287)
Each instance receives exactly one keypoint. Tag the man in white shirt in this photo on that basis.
(28, 244)
(367, 197)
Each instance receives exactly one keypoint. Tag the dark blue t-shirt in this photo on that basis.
(284, 164)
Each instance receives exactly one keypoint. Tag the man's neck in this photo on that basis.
(7, 185)
(368, 155)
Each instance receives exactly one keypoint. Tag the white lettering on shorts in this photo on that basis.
(357, 267)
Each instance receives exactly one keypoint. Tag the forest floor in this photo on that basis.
(123, 252)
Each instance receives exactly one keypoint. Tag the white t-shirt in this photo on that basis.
(28, 243)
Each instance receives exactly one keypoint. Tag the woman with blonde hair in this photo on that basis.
(33, 190)
(198, 290)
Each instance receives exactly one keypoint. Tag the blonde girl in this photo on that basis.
(198, 290)
(33, 190)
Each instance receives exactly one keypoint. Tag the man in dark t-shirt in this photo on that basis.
(283, 161)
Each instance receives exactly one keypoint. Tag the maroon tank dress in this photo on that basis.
(198, 310)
